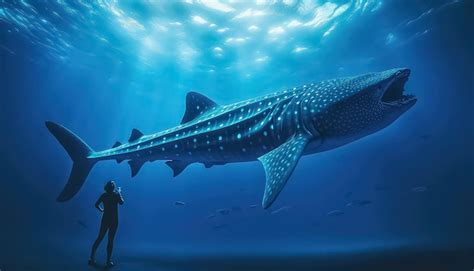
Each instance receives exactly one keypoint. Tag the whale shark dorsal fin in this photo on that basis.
(135, 166)
(279, 164)
(136, 134)
(116, 144)
(196, 105)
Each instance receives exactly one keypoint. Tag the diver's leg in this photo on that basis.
(102, 231)
(110, 243)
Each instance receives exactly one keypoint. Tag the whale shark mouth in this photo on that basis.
(394, 92)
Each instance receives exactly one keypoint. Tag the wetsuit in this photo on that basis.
(109, 220)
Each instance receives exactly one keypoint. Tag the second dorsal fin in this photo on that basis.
(116, 144)
(135, 135)
(196, 104)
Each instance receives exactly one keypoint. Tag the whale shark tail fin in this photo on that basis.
(79, 152)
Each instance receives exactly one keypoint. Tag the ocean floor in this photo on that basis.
(387, 260)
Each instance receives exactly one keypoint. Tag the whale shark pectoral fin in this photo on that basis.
(136, 134)
(177, 166)
(197, 104)
(279, 164)
(135, 166)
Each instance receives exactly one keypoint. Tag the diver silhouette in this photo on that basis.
(110, 200)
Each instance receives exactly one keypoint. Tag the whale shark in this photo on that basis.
(275, 129)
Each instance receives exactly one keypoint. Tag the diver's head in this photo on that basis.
(109, 187)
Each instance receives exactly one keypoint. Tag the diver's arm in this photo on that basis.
(119, 196)
(97, 204)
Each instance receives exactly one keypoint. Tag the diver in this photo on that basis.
(110, 200)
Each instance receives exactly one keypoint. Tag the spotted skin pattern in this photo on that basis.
(276, 129)
(279, 165)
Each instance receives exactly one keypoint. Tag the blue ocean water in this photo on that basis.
(102, 68)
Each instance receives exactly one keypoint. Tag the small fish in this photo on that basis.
(253, 206)
(223, 211)
(359, 203)
(82, 224)
(179, 203)
(419, 189)
(335, 213)
(211, 216)
(280, 209)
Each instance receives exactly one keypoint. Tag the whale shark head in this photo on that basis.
(385, 93)
(357, 106)
(382, 93)
(391, 91)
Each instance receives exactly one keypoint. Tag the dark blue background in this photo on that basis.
(101, 100)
